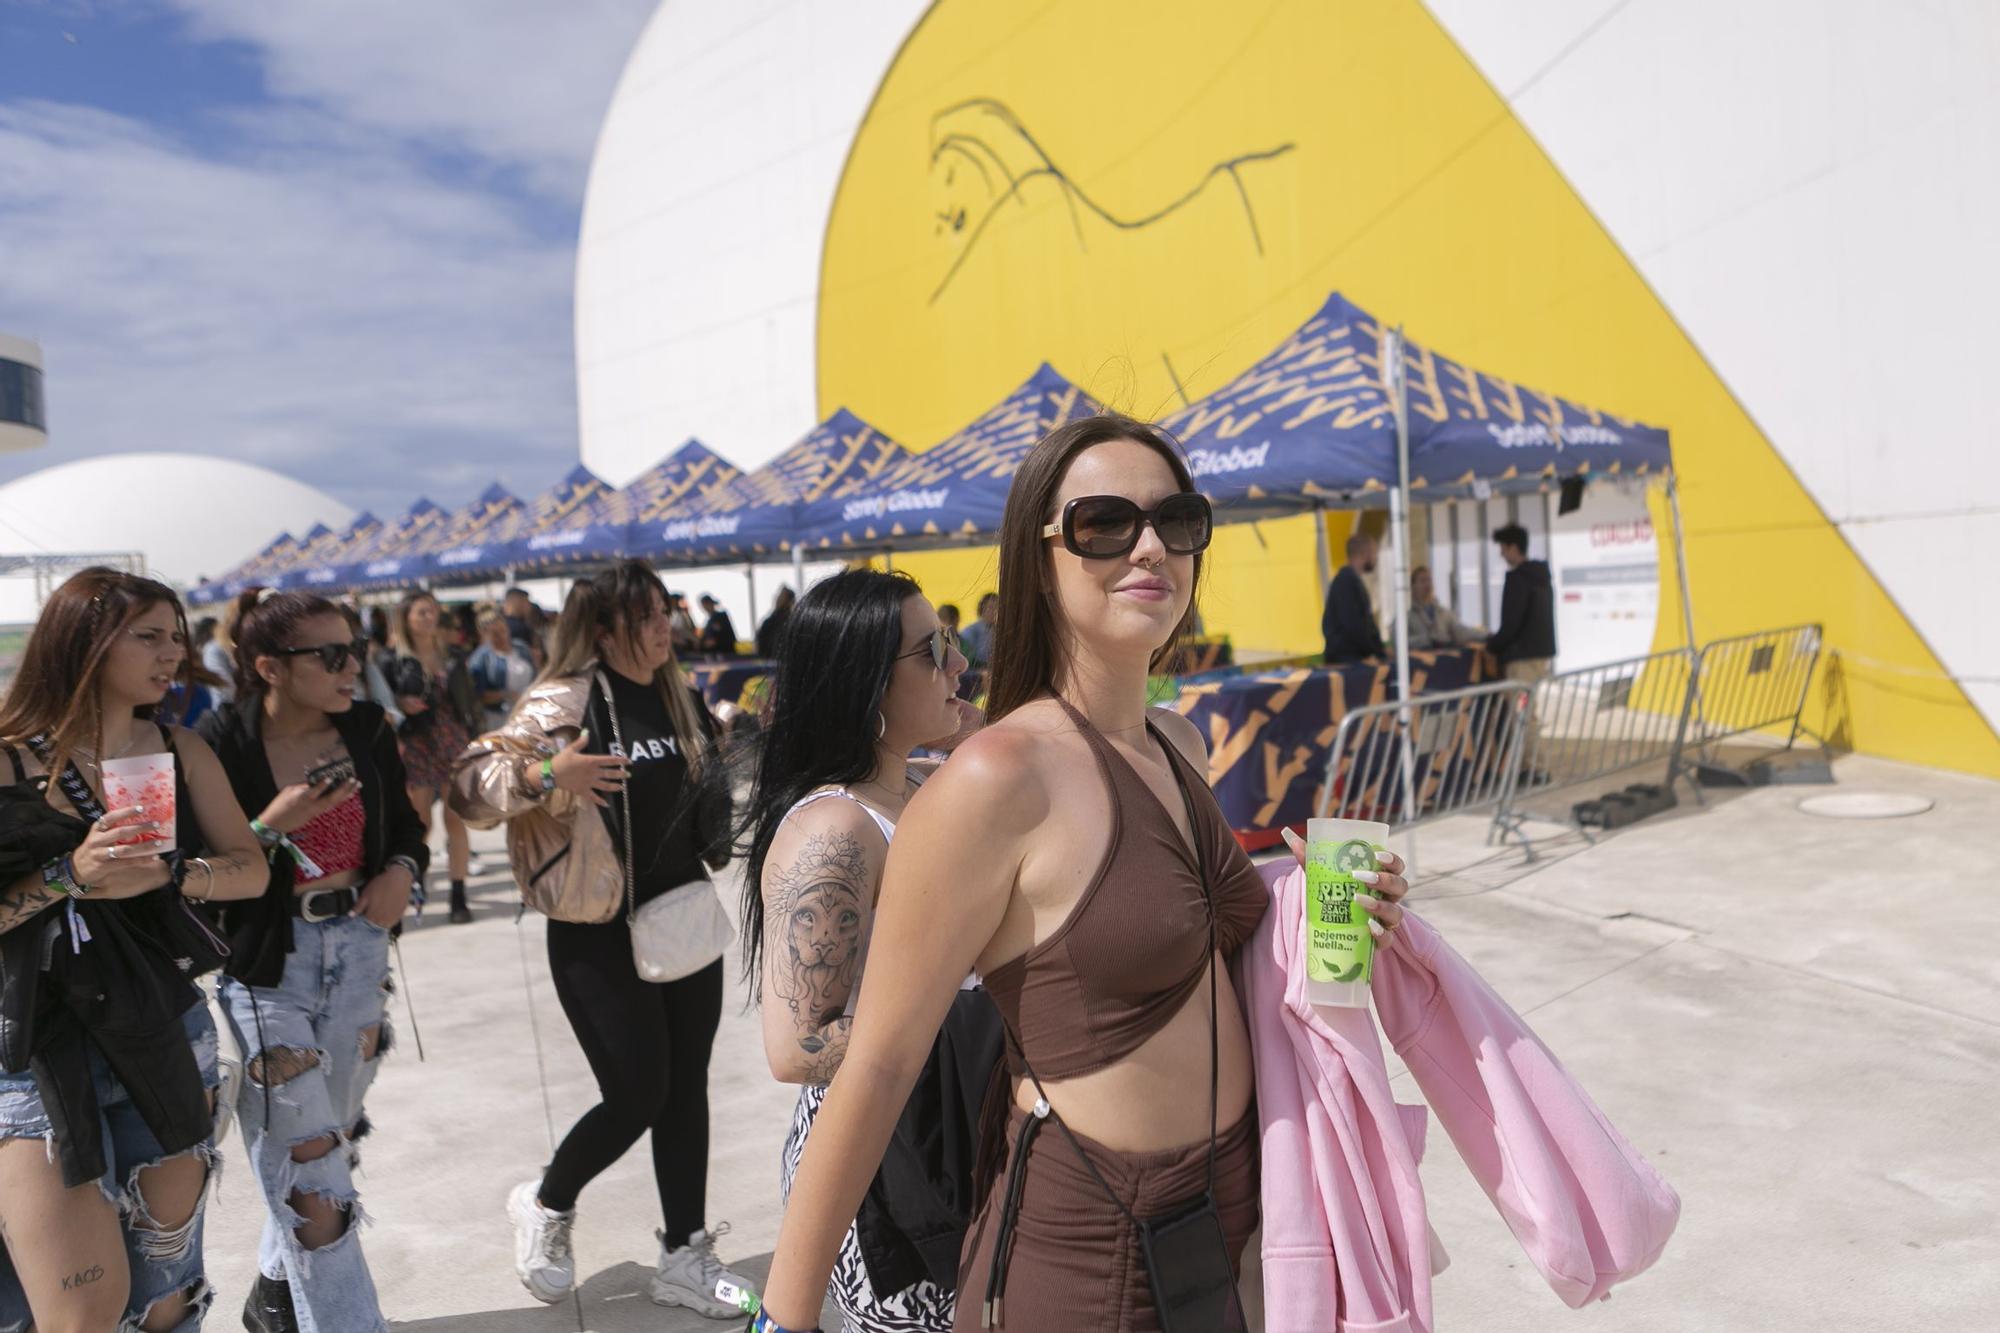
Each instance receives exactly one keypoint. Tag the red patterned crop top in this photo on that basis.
(333, 840)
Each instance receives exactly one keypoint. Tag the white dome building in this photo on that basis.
(189, 515)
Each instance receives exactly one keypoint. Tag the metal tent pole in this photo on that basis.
(798, 571)
(1681, 558)
(1399, 542)
(750, 578)
(1320, 546)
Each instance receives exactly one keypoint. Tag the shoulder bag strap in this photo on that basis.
(624, 794)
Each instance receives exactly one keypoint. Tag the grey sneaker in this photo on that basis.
(542, 1257)
(694, 1279)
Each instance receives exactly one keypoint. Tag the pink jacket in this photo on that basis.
(1346, 1243)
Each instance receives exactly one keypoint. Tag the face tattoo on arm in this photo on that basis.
(814, 944)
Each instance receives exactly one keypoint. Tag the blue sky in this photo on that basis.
(333, 237)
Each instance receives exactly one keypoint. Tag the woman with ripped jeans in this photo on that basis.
(307, 983)
(107, 1121)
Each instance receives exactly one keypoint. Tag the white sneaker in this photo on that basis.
(542, 1258)
(225, 1098)
(693, 1278)
(474, 866)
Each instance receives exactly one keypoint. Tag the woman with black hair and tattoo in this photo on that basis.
(866, 675)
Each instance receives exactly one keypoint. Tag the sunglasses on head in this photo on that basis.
(1103, 527)
(938, 645)
(332, 656)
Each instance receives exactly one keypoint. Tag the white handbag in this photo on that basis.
(680, 932)
(684, 929)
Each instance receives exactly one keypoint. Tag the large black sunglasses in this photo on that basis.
(938, 645)
(1103, 527)
(332, 656)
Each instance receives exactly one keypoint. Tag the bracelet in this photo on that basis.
(548, 776)
(209, 884)
(273, 840)
(761, 1322)
(60, 875)
(266, 835)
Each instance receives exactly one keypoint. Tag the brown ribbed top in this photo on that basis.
(1133, 947)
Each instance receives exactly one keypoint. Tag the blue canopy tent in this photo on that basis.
(1314, 424)
(761, 513)
(232, 583)
(494, 539)
(385, 557)
(1346, 413)
(275, 573)
(460, 544)
(953, 493)
(315, 567)
(683, 478)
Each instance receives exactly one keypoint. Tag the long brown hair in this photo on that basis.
(399, 624)
(615, 602)
(55, 692)
(1031, 640)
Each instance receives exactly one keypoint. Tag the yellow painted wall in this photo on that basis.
(1399, 178)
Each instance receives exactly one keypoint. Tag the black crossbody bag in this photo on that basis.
(1186, 1252)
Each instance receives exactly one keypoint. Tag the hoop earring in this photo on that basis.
(881, 726)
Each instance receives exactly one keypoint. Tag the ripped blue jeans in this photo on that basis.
(325, 1024)
(162, 1262)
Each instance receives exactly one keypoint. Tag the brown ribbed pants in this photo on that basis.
(1076, 1265)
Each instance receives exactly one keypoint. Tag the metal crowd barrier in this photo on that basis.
(1497, 745)
(1753, 682)
(1589, 724)
(1465, 747)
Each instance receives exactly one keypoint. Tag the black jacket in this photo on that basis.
(912, 1223)
(719, 635)
(1348, 624)
(771, 633)
(1527, 614)
(259, 930)
(406, 676)
(120, 989)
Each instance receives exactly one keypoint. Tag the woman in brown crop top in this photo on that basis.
(1073, 854)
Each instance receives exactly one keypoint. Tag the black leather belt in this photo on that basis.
(325, 904)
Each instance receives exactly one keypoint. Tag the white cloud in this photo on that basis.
(519, 83)
(309, 303)
(364, 282)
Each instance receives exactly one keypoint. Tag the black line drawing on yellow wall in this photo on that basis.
(983, 135)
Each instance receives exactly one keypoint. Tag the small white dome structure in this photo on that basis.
(190, 514)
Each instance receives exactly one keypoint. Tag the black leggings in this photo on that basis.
(648, 1045)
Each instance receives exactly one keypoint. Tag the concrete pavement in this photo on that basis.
(1795, 1017)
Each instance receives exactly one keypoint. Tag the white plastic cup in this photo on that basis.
(1338, 948)
(147, 781)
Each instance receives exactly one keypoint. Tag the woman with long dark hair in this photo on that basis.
(440, 708)
(306, 986)
(1095, 886)
(866, 675)
(107, 1116)
(596, 775)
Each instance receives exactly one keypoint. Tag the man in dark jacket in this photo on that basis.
(1348, 623)
(1525, 643)
(718, 636)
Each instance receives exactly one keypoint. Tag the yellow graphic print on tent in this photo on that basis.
(1409, 186)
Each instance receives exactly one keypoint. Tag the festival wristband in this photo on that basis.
(60, 875)
(548, 776)
(761, 1322)
(274, 840)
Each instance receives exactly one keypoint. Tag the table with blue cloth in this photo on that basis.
(724, 682)
(1269, 733)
